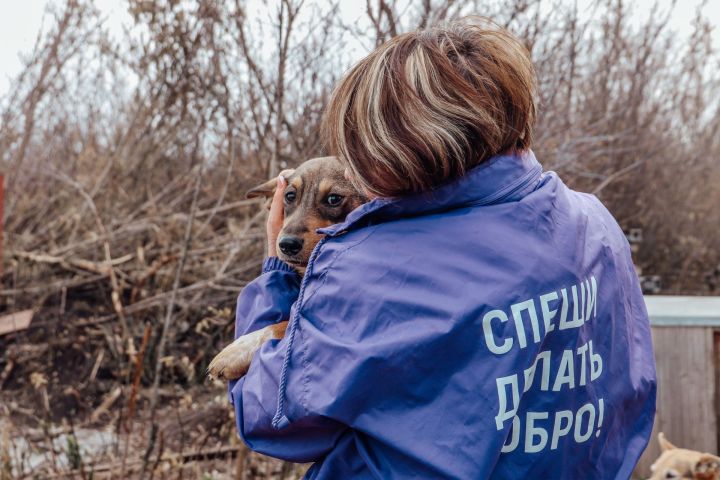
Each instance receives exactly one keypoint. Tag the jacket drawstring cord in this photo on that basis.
(280, 420)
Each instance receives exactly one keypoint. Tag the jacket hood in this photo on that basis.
(501, 178)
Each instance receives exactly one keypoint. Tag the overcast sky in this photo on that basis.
(20, 21)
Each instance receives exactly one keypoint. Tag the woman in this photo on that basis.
(477, 318)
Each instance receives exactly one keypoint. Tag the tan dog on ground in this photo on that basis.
(317, 195)
(680, 463)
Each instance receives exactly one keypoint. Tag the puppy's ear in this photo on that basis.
(664, 444)
(707, 467)
(267, 189)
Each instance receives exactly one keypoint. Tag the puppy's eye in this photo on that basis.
(333, 199)
(289, 197)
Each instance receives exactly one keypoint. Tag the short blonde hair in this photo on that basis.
(426, 106)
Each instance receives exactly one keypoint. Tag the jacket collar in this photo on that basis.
(501, 178)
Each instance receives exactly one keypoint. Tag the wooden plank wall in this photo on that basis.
(686, 404)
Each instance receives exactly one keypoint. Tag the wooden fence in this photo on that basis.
(686, 338)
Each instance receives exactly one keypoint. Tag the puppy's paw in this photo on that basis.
(234, 360)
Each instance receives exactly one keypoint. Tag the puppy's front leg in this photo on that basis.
(234, 360)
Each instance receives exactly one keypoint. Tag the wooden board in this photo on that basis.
(15, 321)
(683, 311)
(686, 404)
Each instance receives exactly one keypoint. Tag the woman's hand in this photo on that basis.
(276, 217)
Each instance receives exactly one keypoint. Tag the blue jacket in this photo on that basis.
(493, 328)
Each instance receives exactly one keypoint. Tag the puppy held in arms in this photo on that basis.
(679, 463)
(317, 195)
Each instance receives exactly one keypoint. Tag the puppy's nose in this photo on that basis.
(290, 245)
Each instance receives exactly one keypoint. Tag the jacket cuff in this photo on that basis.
(271, 264)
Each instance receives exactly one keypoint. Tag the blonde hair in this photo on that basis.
(426, 106)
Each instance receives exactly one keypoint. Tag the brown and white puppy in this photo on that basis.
(680, 463)
(317, 195)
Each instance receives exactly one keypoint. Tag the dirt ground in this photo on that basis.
(197, 439)
(67, 411)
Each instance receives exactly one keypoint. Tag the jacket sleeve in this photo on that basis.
(265, 301)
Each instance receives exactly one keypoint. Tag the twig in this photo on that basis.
(133, 394)
(166, 323)
(6, 371)
(611, 178)
(102, 268)
(106, 404)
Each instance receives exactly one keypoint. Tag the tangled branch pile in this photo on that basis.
(104, 136)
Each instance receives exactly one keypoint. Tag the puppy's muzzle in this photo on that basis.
(290, 245)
